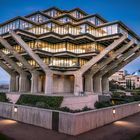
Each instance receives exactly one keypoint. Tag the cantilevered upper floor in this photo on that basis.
(73, 22)
(63, 38)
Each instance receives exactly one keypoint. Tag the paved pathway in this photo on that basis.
(124, 129)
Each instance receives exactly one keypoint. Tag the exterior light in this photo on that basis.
(114, 111)
(139, 104)
(15, 109)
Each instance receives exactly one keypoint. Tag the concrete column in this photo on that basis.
(97, 84)
(78, 84)
(23, 83)
(49, 83)
(40, 84)
(12, 87)
(34, 82)
(17, 83)
(88, 84)
(105, 85)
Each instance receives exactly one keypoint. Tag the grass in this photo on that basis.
(137, 137)
(4, 137)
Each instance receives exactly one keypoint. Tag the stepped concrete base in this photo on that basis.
(79, 102)
(70, 101)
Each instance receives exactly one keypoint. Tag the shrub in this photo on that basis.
(3, 98)
(53, 102)
(66, 109)
(102, 104)
(117, 94)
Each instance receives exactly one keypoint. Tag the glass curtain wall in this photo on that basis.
(60, 47)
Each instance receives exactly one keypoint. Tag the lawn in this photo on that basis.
(4, 137)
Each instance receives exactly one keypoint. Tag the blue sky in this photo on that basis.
(124, 10)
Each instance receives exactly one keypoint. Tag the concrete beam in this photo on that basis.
(11, 62)
(105, 80)
(13, 75)
(105, 62)
(118, 61)
(40, 62)
(95, 69)
(102, 54)
(30, 52)
(98, 88)
(19, 57)
(6, 68)
(22, 73)
(122, 64)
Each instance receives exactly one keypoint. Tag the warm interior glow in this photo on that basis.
(15, 109)
(114, 111)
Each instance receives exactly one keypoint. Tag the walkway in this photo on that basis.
(124, 129)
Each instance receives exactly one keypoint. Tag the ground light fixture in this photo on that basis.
(114, 111)
(15, 109)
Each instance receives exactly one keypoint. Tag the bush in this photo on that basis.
(66, 109)
(117, 94)
(52, 102)
(102, 104)
(3, 98)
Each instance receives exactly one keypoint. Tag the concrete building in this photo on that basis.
(119, 77)
(126, 80)
(64, 51)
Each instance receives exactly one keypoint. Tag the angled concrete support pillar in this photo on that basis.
(13, 82)
(97, 85)
(78, 84)
(45, 68)
(24, 84)
(88, 84)
(103, 63)
(33, 55)
(102, 54)
(116, 65)
(122, 64)
(34, 82)
(49, 83)
(105, 85)
(19, 57)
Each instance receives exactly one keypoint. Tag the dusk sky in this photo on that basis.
(124, 10)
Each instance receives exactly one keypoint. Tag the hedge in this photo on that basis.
(115, 100)
(3, 98)
(50, 102)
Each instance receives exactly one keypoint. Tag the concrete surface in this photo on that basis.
(124, 129)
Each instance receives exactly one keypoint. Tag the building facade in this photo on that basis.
(119, 77)
(58, 51)
(129, 81)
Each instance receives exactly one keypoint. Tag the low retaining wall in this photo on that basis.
(74, 124)
(29, 115)
(68, 123)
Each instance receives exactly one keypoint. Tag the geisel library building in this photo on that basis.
(64, 52)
